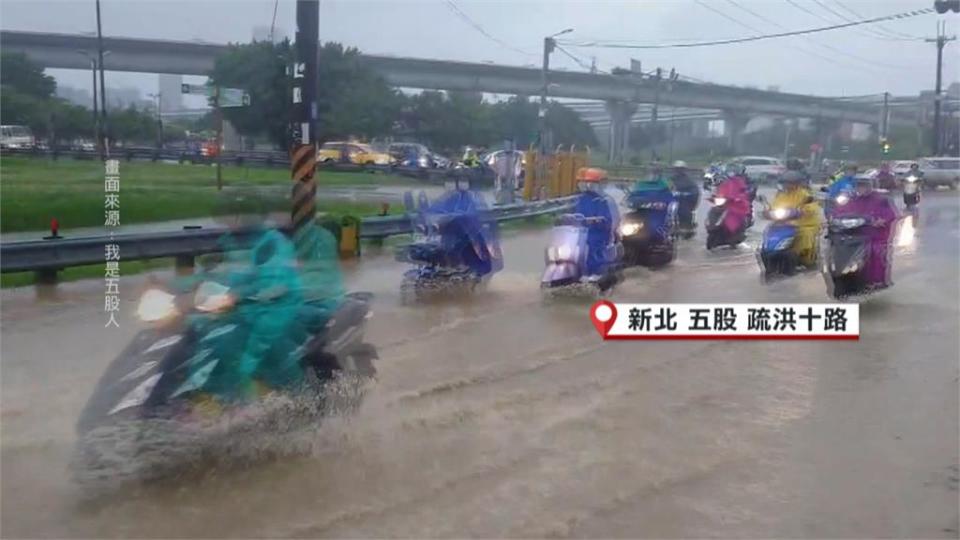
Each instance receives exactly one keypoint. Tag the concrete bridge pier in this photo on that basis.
(733, 125)
(619, 139)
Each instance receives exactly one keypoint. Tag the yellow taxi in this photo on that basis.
(356, 153)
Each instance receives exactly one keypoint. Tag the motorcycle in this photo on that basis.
(648, 230)
(566, 256)
(718, 231)
(454, 246)
(847, 257)
(775, 256)
(911, 193)
(142, 417)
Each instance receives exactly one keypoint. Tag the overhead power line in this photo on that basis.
(904, 15)
(476, 26)
(889, 32)
(812, 41)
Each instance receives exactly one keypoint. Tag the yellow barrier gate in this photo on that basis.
(553, 175)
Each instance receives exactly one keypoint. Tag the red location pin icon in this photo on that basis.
(603, 314)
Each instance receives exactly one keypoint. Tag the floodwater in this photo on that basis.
(504, 416)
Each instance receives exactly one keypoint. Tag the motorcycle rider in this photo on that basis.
(683, 183)
(736, 191)
(592, 202)
(882, 215)
(470, 158)
(885, 177)
(795, 196)
(265, 298)
(794, 164)
(842, 185)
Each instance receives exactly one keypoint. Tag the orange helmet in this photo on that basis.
(591, 174)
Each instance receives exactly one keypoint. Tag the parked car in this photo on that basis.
(941, 171)
(16, 137)
(356, 153)
(760, 168)
(402, 152)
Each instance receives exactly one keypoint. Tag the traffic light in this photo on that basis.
(942, 6)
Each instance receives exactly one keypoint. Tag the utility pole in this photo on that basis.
(104, 147)
(941, 41)
(303, 117)
(549, 44)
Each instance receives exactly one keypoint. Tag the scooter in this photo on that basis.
(775, 255)
(847, 257)
(566, 256)
(718, 234)
(455, 247)
(648, 230)
(139, 421)
(911, 194)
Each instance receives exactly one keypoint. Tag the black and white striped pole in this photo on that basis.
(303, 120)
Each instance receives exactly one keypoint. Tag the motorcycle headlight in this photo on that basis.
(852, 267)
(156, 305)
(564, 253)
(709, 176)
(213, 297)
(849, 223)
(719, 201)
(779, 213)
(912, 178)
(842, 199)
(423, 161)
(630, 228)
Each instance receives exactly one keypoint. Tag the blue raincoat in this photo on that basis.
(599, 235)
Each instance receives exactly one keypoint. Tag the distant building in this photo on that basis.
(77, 96)
(171, 98)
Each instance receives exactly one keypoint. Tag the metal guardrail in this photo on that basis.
(55, 254)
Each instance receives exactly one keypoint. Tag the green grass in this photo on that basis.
(75, 273)
(34, 190)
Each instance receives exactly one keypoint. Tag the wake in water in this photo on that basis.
(147, 449)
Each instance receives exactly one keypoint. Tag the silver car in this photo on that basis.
(941, 171)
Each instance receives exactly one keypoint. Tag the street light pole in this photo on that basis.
(941, 41)
(104, 148)
(158, 97)
(96, 113)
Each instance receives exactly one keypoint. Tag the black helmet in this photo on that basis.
(735, 168)
(794, 164)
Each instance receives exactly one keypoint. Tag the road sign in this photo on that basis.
(199, 89)
(234, 97)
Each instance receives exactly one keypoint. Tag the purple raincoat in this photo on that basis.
(874, 206)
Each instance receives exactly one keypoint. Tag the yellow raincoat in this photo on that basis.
(808, 224)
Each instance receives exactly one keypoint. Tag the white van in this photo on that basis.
(16, 137)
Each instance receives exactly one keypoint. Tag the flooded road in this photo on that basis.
(503, 416)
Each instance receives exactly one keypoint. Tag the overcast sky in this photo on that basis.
(840, 62)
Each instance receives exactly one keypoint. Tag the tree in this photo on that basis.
(22, 75)
(351, 99)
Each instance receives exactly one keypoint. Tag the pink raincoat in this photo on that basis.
(735, 190)
(874, 207)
